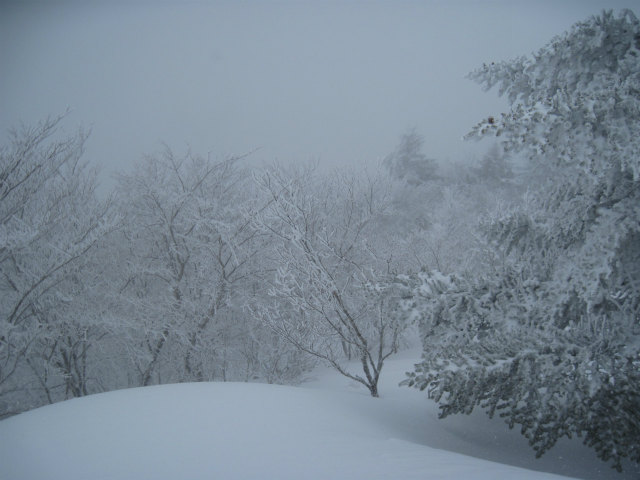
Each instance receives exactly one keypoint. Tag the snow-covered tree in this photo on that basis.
(325, 298)
(50, 222)
(408, 162)
(548, 334)
(189, 263)
(495, 168)
(186, 251)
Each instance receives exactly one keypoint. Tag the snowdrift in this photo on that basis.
(328, 430)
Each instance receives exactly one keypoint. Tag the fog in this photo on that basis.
(511, 282)
(335, 82)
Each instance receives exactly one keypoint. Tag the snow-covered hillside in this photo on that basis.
(326, 429)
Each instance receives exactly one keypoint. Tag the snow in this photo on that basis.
(329, 428)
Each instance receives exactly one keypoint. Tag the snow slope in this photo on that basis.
(328, 429)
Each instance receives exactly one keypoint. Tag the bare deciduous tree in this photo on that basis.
(324, 295)
(50, 220)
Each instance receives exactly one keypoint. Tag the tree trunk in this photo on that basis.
(373, 389)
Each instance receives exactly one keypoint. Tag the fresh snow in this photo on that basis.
(329, 428)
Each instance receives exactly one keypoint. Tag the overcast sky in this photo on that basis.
(333, 81)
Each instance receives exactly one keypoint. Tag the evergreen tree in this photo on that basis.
(548, 334)
(408, 163)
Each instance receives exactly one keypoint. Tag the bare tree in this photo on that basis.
(188, 251)
(50, 220)
(325, 299)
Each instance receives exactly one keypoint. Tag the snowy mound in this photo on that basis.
(328, 430)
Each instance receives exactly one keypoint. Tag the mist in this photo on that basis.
(293, 81)
(279, 193)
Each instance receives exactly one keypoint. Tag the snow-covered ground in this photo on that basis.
(329, 428)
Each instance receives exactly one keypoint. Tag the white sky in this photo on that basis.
(335, 81)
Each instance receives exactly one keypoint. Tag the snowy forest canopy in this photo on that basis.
(519, 275)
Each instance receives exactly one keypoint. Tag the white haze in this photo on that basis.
(337, 82)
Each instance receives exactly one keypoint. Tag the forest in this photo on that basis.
(518, 274)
